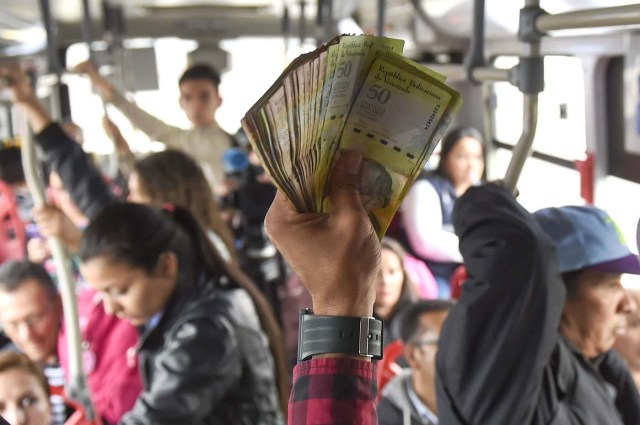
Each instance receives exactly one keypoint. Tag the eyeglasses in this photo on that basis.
(426, 341)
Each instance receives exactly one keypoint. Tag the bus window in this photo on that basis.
(561, 112)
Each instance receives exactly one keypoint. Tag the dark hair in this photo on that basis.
(11, 170)
(201, 71)
(137, 235)
(14, 273)
(408, 293)
(409, 321)
(174, 177)
(450, 141)
(10, 360)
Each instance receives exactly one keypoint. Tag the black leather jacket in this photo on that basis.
(207, 360)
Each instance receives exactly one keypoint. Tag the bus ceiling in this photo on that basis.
(450, 21)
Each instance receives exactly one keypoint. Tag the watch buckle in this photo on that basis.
(365, 336)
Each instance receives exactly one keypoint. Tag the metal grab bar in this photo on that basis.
(77, 385)
(523, 149)
(590, 18)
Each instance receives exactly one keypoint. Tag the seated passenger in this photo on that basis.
(410, 397)
(529, 341)
(394, 288)
(24, 392)
(200, 99)
(31, 315)
(427, 228)
(628, 344)
(204, 355)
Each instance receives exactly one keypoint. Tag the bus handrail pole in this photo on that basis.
(523, 149)
(530, 80)
(590, 18)
(382, 18)
(77, 384)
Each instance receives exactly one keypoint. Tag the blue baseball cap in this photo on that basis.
(586, 237)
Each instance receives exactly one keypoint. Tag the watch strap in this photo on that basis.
(338, 334)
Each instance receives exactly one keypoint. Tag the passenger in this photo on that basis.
(426, 211)
(174, 177)
(24, 392)
(337, 388)
(394, 288)
(200, 100)
(204, 355)
(410, 397)
(529, 341)
(628, 344)
(31, 315)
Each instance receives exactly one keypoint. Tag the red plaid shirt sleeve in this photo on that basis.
(333, 391)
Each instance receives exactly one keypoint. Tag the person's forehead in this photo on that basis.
(198, 85)
(30, 296)
(15, 382)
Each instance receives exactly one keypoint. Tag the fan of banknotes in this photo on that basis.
(353, 93)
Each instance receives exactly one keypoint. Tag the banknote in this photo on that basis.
(353, 93)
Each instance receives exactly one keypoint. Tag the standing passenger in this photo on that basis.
(204, 356)
(199, 98)
(529, 341)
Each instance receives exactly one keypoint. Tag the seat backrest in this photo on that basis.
(387, 367)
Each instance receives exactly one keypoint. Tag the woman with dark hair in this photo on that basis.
(174, 177)
(426, 211)
(394, 288)
(203, 352)
(211, 349)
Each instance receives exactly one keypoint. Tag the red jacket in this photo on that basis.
(110, 359)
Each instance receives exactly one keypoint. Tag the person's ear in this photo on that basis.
(167, 266)
(411, 355)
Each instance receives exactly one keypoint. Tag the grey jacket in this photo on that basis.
(501, 358)
(395, 407)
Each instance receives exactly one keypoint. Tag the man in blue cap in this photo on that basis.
(529, 341)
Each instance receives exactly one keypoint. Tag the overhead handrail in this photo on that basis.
(590, 18)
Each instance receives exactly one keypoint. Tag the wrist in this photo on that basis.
(356, 307)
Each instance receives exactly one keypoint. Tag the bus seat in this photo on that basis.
(457, 279)
(78, 417)
(13, 240)
(387, 367)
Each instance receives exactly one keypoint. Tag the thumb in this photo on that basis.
(345, 182)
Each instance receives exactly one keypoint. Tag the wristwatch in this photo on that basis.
(358, 336)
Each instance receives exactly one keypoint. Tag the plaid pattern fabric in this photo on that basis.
(333, 391)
